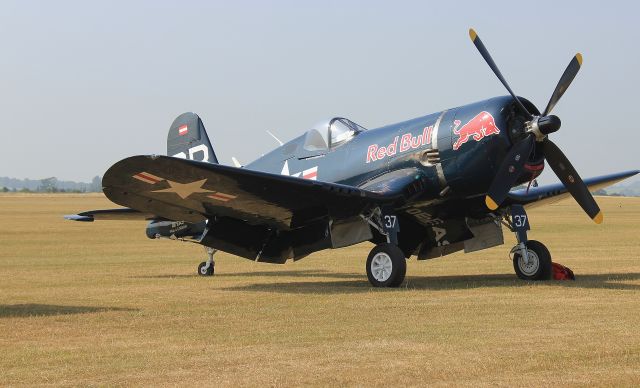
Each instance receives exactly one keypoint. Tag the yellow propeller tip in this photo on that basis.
(491, 204)
(472, 34)
(579, 58)
(598, 218)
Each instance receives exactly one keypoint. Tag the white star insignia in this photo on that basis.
(184, 189)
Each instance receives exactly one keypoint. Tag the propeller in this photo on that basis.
(487, 58)
(563, 84)
(537, 129)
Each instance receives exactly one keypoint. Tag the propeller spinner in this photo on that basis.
(538, 128)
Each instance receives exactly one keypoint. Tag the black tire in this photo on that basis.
(394, 264)
(539, 267)
(208, 272)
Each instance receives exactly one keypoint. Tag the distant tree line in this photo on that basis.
(632, 190)
(613, 194)
(49, 185)
(53, 185)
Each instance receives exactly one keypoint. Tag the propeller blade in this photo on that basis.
(563, 84)
(571, 180)
(510, 169)
(487, 57)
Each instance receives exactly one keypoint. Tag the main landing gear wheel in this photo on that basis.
(386, 266)
(538, 265)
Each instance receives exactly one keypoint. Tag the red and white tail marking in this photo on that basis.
(222, 197)
(311, 173)
(148, 178)
(183, 130)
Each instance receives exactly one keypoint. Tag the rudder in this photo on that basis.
(187, 139)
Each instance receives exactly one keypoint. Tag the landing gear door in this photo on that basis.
(520, 222)
(390, 224)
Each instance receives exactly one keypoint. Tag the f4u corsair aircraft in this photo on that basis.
(427, 187)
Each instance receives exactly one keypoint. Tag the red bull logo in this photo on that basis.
(479, 127)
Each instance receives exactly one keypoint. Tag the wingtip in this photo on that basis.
(579, 58)
(598, 218)
(78, 217)
(472, 34)
(491, 204)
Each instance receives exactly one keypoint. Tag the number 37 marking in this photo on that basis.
(390, 222)
(520, 221)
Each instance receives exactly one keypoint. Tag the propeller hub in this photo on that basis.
(541, 126)
(549, 124)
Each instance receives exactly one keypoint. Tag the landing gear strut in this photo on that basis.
(531, 259)
(206, 268)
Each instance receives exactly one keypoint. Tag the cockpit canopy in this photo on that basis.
(330, 134)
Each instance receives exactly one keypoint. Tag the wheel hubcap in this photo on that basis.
(381, 267)
(531, 267)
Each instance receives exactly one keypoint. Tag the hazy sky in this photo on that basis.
(85, 84)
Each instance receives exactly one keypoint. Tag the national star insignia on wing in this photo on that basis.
(185, 189)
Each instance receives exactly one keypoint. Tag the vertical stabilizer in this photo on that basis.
(188, 139)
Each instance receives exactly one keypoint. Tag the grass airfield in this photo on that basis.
(100, 304)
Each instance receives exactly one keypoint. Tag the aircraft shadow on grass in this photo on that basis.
(163, 276)
(292, 273)
(613, 281)
(43, 310)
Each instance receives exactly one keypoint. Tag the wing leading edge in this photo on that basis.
(547, 194)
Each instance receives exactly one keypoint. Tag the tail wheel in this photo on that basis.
(204, 271)
(386, 266)
(538, 266)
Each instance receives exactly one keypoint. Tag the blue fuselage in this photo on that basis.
(457, 150)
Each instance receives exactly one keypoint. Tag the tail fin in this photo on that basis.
(188, 139)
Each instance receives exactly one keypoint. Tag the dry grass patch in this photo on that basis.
(99, 304)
